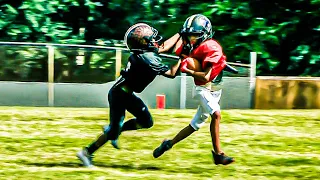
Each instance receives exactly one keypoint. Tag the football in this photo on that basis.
(193, 64)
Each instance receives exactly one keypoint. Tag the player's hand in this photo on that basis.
(183, 56)
(184, 66)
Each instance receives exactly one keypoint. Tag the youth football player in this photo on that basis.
(143, 66)
(197, 43)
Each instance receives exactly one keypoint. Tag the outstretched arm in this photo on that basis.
(169, 43)
(171, 73)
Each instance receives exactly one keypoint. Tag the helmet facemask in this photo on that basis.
(199, 28)
(154, 40)
(193, 40)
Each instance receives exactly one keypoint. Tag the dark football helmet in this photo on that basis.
(197, 25)
(142, 37)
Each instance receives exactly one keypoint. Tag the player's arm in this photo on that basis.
(203, 76)
(213, 55)
(169, 43)
(177, 46)
(171, 73)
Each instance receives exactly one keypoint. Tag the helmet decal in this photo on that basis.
(141, 36)
(190, 19)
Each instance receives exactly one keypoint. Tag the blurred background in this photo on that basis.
(284, 34)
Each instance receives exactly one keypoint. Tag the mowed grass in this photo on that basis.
(41, 143)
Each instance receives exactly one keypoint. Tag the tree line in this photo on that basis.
(285, 34)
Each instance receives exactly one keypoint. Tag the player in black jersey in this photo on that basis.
(143, 66)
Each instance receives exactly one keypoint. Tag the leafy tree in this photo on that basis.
(284, 34)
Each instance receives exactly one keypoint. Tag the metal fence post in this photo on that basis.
(118, 63)
(183, 90)
(50, 76)
(253, 62)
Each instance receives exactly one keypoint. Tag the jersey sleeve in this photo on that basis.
(160, 68)
(213, 54)
(155, 63)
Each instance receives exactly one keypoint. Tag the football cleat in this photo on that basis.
(165, 146)
(85, 158)
(222, 159)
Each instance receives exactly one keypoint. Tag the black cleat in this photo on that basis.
(165, 146)
(222, 159)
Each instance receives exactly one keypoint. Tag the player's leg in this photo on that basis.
(117, 113)
(198, 120)
(218, 155)
(117, 106)
(214, 109)
(195, 124)
(214, 130)
(142, 119)
(168, 144)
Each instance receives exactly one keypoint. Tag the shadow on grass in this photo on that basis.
(98, 164)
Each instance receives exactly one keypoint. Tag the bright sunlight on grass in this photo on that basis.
(41, 143)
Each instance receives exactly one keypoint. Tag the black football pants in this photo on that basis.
(119, 102)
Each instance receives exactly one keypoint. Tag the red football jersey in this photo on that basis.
(209, 53)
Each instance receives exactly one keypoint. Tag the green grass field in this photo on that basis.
(41, 143)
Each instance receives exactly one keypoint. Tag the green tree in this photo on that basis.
(284, 34)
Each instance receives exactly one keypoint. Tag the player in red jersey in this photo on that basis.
(197, 43)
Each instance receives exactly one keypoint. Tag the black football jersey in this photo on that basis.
(141, 70)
